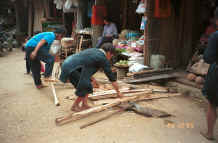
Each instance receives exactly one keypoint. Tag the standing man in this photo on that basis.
(79, 69)
(211, 84)
(109, 33)
(37, 49)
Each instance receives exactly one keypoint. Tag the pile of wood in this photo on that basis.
(106, 100)
(150, 75)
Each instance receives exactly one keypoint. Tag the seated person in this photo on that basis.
(109, 33)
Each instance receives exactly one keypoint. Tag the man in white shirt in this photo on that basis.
(109, 33)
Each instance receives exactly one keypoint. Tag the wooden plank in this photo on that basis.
(152, 78)
(142, 97)
(109, 92)
(54, 94)
(156, 96)
(113, 94)
(149, 71)
(188, 83)
(136, 76)
(79, 115)
(156, 88)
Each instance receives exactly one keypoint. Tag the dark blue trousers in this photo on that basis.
(42, 55)
(103, 40)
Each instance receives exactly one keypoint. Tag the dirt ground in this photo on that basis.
(27, 115)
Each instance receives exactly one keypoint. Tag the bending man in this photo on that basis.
(79, 69)
(37, 49)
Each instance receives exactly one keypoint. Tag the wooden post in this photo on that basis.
(146, 32)
(97, 29)
(30, 18)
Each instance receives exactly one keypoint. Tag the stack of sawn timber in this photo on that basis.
(150, 75)
(107, 100)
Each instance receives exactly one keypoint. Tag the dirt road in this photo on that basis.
(27, 115)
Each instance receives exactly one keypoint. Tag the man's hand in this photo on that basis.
(33, 55)
(39, 45)
(94, 83)
(119, 95)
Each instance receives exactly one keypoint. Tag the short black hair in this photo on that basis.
(108, 47)
(36, 32)
(108, 19)
(59, 31)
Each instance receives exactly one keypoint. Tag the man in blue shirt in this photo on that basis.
(110, 32)
(79, 69)
(37, 49)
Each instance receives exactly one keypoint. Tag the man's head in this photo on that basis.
(59, 33)
(107, 20)
(109, 50)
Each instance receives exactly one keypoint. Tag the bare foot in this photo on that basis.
(75, 109)
(85, 107)
(40, 86)
(207, 136)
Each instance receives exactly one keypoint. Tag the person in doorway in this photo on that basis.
(37, 49)
(109, 33)
(80, 68)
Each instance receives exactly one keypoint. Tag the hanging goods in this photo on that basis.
(98, 14)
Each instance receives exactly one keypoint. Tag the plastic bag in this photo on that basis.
(141, 8)
(200, 68)
(136, 67)
(55, 47)
(68, 4)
